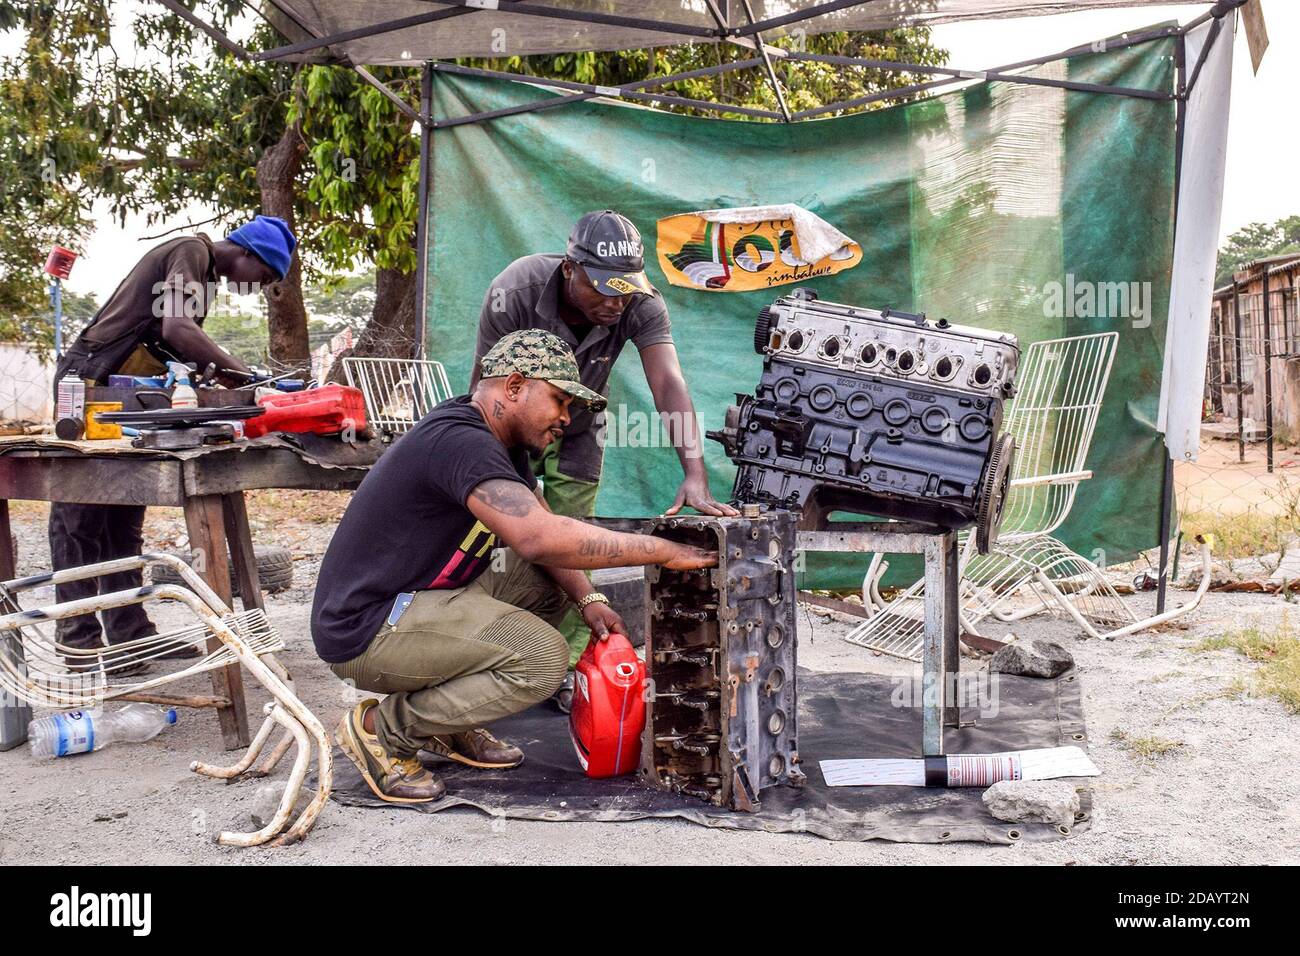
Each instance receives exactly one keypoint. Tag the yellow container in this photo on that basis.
(94, 428)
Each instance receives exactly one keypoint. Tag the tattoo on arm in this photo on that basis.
(612, 545)
(508, 497)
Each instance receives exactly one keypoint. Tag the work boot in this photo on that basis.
(86, 666)
(562, 699)
(185, 652)
(476, 748)
(391, 779)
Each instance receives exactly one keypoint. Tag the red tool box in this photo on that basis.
(323, 411)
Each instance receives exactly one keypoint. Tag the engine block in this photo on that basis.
(720, 657)
(875, 412)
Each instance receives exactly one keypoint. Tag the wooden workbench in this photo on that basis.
(207, 483)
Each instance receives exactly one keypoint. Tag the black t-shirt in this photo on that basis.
(407, 527)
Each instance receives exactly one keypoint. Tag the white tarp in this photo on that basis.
(1200, 205)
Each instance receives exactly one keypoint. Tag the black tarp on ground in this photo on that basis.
(840, 715)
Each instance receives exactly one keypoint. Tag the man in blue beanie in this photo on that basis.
(154, 316)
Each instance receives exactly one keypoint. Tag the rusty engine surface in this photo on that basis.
(877, 412)
(720, 656)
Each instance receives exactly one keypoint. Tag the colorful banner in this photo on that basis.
(697, 253)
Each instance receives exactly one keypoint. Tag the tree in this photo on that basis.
(316, 145)
(807, 84)
(1256, 241)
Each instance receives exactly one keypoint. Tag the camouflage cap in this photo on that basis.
(534, 353)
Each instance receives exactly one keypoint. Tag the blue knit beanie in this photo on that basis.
(270, 239)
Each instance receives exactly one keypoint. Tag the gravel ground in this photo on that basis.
(1216, 795)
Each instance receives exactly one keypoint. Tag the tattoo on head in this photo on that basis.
(498, 409)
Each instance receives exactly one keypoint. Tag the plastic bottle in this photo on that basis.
(608, 711)
(80, 731)
(183, 394)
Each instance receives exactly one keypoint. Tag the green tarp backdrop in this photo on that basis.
(986, 206)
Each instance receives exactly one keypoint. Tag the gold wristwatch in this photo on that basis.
(595, 597)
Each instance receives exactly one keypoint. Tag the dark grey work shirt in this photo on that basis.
(527, 296)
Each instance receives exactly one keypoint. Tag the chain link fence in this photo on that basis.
(1245, 486)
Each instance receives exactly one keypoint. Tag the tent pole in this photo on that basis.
(1167, 485)
(1236, 353)
(471, 6)
(630, 91)
(422, 225)
(767, 65)
(384, 88)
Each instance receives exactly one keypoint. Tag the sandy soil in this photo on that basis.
(1219, 480)
(1223, 794)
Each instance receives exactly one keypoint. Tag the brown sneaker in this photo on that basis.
(393, 779)
(476, 748)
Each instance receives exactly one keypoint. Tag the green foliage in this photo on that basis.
(166, 119)
(807, 84)
(361, 190)
(343, 301)
(1256, 241)
(240, 332)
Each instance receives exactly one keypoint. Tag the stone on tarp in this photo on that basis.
(1033, 801)
(1032, 659)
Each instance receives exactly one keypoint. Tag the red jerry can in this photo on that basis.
(608, 712)
(324, 411)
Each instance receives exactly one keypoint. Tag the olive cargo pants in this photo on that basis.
(462, 658)
(573, 498)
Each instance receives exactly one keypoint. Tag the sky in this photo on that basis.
(1263, 135)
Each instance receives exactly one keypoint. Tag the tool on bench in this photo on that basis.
(176, 428)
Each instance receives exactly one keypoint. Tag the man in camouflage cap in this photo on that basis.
(596, 298)
(537, 354)
(416, 600)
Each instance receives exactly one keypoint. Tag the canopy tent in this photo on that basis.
(413, 32)
(399, 33)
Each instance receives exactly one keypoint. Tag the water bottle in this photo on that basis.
(80, 731)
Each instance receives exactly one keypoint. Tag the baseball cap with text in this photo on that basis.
(534, 353)
(609, 249)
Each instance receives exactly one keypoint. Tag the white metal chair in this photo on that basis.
(398, 391)
(37, 669)
(1052, 418)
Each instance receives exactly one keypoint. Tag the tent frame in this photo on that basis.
(749, 36)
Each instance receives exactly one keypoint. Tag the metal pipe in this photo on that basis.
(216, 35)
(1204, 54)
(1241, 393)
(244, 762)
(1136, 626)
(767, 65)
(1268, 375)
(422, 223)
(628, 91)
(401, 104)
(1165, 520)
(275, 715)
(470, 6)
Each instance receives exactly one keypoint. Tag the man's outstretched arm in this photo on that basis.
(511, 512)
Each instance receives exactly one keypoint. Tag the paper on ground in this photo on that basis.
(963, 769)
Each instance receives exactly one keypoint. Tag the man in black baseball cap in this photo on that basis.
(596, 298)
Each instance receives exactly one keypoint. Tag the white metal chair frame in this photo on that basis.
(391, 386)
(41, 678)
(1053, 419)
